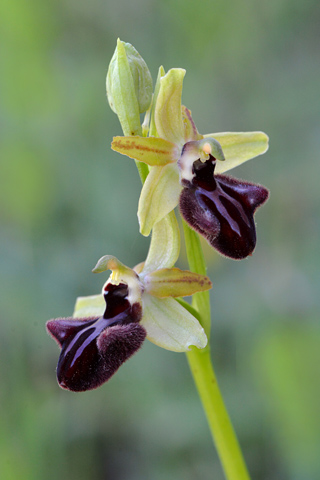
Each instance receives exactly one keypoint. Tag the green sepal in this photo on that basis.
(173, 282)
(159, 195)
(151, 150)
(238, 147)
(168, 114)
(171, 326)
(90, 306)
(164, 246)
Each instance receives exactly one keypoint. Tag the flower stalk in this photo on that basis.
(199, 360)
(218, 419)
(204, 377)
(197, 264)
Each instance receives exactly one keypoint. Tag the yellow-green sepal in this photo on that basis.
(168, 114)
(164, 246)
(150, 150)
(238, 147)
(159, 195)
(173, 282)
(171, 326)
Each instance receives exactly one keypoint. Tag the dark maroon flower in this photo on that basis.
(221, 208)
(92, 349)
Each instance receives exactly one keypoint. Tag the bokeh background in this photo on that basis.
(66, 199)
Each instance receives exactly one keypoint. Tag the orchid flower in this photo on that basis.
(187, 168)
(137, 303)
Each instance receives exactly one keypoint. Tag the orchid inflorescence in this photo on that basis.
(181, 168)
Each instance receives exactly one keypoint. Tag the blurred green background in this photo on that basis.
(66, 199)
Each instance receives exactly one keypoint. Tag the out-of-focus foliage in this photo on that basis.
(66, 199)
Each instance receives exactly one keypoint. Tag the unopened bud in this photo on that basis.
(129, 87)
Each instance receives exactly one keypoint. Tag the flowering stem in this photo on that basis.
(143, 170)
(200, 361)
(200, 364)
(142, 167)
(197, 264)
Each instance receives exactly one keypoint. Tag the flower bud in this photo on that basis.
(129, 87)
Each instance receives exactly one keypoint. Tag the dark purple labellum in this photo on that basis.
(221, 209)
(92, 349)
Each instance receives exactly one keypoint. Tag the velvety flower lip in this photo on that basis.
(93, 348)
(221, 208)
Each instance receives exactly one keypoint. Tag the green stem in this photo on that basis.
(199, 360)
(142, 167)
(143, 170)
(197, 264)
(200, 364)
